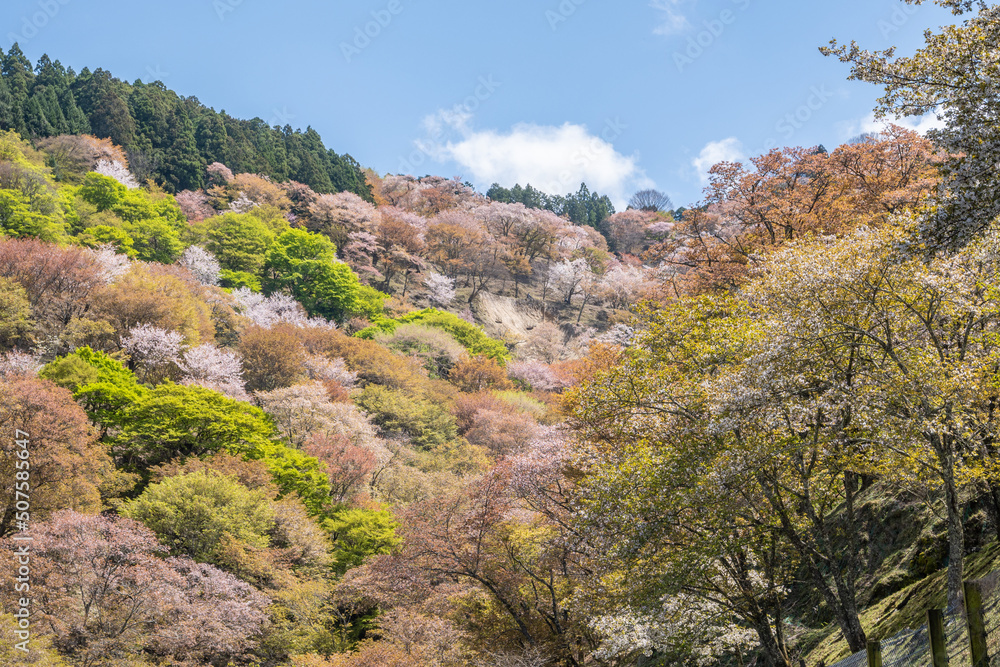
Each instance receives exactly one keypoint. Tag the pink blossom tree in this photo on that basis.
(340, 215)
(19, 363)
(195, 205)
(102, 592)
(535, 375)
(219, 174)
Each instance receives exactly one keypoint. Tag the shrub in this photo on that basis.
(436, 349)
(272, 358)
(427, 424)
(469, 336)
(191, 513)
(473, 374)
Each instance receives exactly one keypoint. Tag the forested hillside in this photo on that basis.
(166, 137)
(263, 407)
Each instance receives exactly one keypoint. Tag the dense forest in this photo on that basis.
(166, 137)
(263, 407)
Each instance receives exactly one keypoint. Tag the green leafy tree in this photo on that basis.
(952, 76)
(18, 219)
(306, 265)
(427, 424)
(191, 513)
(100, 383)
(468, 335)
(155, 240)
(173, 421)
(359, 534)
(239, 242)
(15, 314)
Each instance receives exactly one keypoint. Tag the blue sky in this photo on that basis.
(623, 95)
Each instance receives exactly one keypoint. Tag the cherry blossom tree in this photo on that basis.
(112, 263)
(219, 174)
(340, 215)
(202, 264)
(628, 231)
(104, 594)
(153, 352)
(535, 375)
(682, 628)
(348, 466)
(19, 363)
(214, 368)
(326, 370)
(269, 311)
(117, 170)
(195, 205)
(242, 204)
(304, 410)
(568, 278)
(622, 285)
(440, 289)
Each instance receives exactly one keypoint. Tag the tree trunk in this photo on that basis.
(586, 298)
(956, 543)
(770, 649)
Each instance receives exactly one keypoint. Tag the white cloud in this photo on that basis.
(671, 19)
(920, 124)
(554, 159)
(714, 152)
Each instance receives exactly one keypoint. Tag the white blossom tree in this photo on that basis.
(242, 204)
(153, 352)
(323, 369)
(621, 286)
(566, 278)
(267, 311)
(220, 370)
(118, 171)
(683, 629)
(440, 289)
(202, 264)
(112, 264)
(19, 363)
